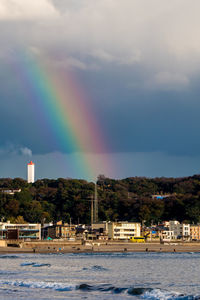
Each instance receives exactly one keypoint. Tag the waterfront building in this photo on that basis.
(97, 231)
(181, 230)
(195, 232)
(123, 230)
(101, 230)
(31, 172)
(167, 235)
(20, 231)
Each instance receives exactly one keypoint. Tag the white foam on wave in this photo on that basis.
(157, 294)
(57, 286)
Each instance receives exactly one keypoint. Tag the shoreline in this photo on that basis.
(101, 248)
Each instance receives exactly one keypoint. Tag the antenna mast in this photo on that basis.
(95, 204)
(92, 209)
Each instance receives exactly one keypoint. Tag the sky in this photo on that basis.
(138, 63)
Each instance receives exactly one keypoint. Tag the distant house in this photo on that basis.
(10, 192)
(160, 196)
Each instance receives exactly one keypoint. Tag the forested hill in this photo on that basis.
(129, 199)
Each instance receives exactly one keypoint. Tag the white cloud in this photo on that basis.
(103, 55)
(26, 9)
(121, 59)
(69, 62)
(26, 151)
(10, 150)
(73, 62)
(168, 81)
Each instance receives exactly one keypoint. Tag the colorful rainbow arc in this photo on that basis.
(65, 109)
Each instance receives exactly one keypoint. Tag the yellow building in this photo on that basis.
(195, 232)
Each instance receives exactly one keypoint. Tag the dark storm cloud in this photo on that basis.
(132, 120)
(139, 119)
(139, 65)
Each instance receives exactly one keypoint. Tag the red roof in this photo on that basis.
(31, 163)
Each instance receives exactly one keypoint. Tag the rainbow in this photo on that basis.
(64, 107)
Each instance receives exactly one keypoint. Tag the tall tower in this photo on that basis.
(30, 172)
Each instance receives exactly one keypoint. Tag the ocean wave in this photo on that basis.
(9, 256)
(141, 292)
(95, 268)
(41, 265)
(8, 272)
(99, 268)
(102, 288)
(57, 286)
(27, 264)
(34, 264)
(158, 294)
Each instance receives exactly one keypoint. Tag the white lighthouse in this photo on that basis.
(30, 172)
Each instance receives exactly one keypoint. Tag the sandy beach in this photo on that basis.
(64, 247)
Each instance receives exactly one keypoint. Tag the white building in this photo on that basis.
(180, 230)
(25, 231)
(123, 230)
(31, 172)
(167, 235)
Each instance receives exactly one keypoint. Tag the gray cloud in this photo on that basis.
(26, 151)
(11, 150)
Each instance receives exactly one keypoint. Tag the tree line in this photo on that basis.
(127, 199)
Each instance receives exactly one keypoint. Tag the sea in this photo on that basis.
(100, 276)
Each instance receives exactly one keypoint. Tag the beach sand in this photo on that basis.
(64, 247)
